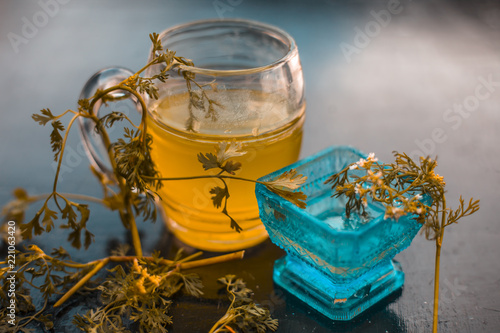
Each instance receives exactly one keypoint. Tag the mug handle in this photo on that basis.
(92, 143)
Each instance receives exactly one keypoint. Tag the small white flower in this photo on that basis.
(393, 213)
(361, 162)
(371, 157)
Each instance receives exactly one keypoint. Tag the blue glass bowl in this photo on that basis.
(338, 266)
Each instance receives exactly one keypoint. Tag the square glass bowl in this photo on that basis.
(336, 265)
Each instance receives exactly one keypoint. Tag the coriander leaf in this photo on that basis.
(44, 118)
(235, 225)
(297, 198)
(211, 112)
(191, 123)
(48, 218)
(196, 100)
(89, 239)
(84, 213)
(32, 227)
(208, 160)
(109, 119)
(231, 166)
(60, 253)
(69, 214)
(192, 284)
(56, 139)
(84, 105)
(243, 313)
(226, 150)
(288, 179)
(219, 194)
(74, 238)
(156, 41)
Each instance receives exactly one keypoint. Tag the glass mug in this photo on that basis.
(252, 70)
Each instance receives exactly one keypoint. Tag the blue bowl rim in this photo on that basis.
(311, 218)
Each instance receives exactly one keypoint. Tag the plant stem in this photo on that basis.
(436, 285)
(211, 261)
(100, 263)
(136, 241)
(33, 317)
(208, 176)
(439, 243)
(80, 283)
(144, 111)
(61, 153)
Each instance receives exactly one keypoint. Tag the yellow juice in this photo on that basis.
(268, 130)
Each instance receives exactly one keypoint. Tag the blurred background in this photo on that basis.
(421, 77)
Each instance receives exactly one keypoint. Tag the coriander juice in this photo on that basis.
(269, 130)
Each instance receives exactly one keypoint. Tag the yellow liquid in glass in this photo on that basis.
(269, 131)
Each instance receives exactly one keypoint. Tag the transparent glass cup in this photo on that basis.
(253, 73)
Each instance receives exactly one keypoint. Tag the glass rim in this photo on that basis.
(289, 41)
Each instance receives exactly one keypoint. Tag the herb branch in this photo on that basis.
(284, 185)
(402, 188)
(242, 315)
(139, 288)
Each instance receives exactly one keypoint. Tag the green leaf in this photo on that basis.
(69, 214)
(147, 86)
(196, 100)
(84, 214)
(44, 118)
(225, 280)
(219, 194)
(84, 105)
(47, 288)
(211, 112)
(297, 198)
(192, 285)
(48, 218)
(74, 238)
(208, 160)
(32, 227)
(156, 41)
(145, 205)
(226, 150)
(235, 225)
(191, 123)
(56, 139)
(110, 119)
(243, 315)
(89, 239)
(289, 179)
(60, 253)
(231, 166)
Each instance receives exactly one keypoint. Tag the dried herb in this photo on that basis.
(403, 187)
(242, 315)
(138, 286)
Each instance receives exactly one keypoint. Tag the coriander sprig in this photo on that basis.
(285, 185)
(139, 287)
(57, 274)
(402, 188)
(243, 314)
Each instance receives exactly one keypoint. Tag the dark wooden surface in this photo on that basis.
(400, 90)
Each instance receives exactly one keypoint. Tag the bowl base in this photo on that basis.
(338, 301)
